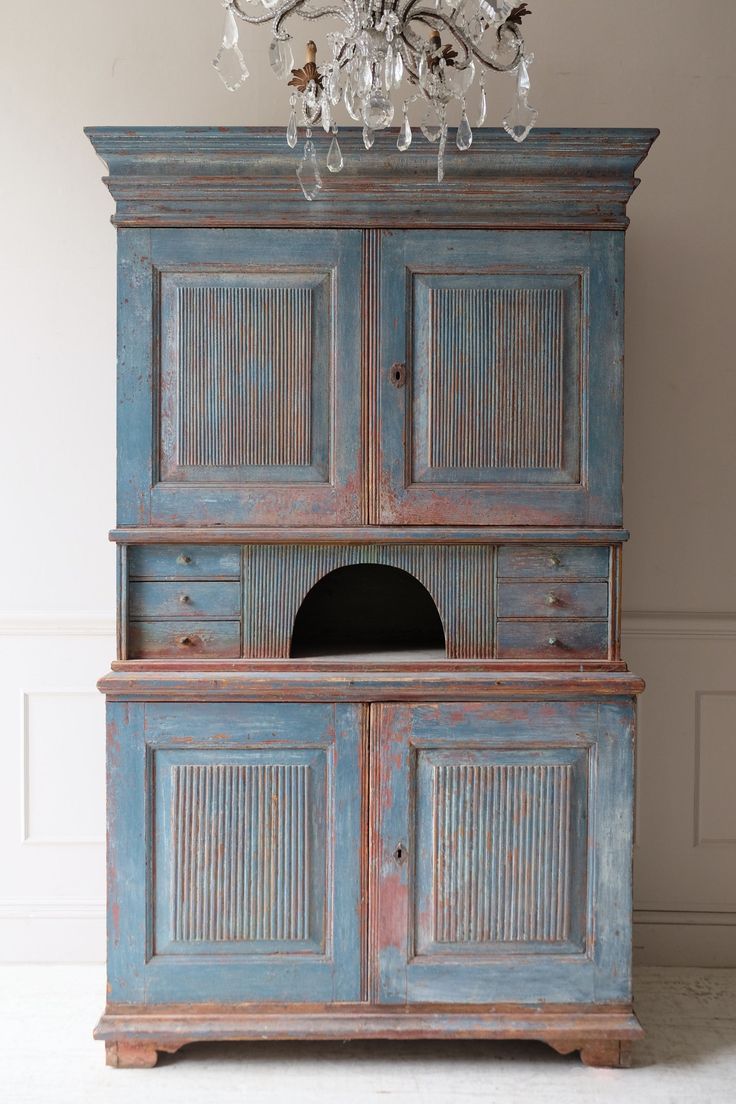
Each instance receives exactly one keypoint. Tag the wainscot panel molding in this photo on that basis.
(52, 834)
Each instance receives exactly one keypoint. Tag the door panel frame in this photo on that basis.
(136, 732)
(144, 258)
(596, 259)
(604, 732)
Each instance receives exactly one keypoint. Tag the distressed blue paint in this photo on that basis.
(147, 742)
(591, 956)
(288, 832)
(584, 487)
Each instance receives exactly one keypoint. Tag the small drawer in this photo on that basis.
(184, 561)
(184, 599)
(183, 639)
(553, 561)
(552, 640)
(552, 599)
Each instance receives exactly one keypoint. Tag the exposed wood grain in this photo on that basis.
(200, 176)
(374, 534)
(267, 681)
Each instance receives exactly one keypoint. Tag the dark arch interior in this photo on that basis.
(367, 609)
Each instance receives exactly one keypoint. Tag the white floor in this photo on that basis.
(47, 1055)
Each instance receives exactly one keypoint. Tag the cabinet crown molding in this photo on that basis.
(245, 176)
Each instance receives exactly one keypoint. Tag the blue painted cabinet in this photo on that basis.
(370, 732)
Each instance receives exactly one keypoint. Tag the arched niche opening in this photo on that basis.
(370, 611)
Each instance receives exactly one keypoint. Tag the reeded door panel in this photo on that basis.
(240, 882)
(508, 409)
(247, 347)
(503, 854)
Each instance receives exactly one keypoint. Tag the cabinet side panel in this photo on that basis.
(135, 378)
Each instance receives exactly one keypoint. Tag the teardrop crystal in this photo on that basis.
(326, 113)
(404, 139)
(281, 57)
(350, 105)
(334, 157)
(308, 172)
(364, 78)
(368, 137)
(291, 131)
(464, 133)
(388, 73)
(441, 155)
(398, 68)
(522, 77)
(482, 106)
(230, 31)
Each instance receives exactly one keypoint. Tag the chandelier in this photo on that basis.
(380, 46)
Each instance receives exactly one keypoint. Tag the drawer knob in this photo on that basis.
(552, 641)
(552, 600)
(554, 561)
(182, 559)
(186, 641)
(184, 598)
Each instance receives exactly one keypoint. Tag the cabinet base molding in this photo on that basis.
(134, 1035)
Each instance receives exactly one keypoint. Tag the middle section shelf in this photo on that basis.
(403, 602)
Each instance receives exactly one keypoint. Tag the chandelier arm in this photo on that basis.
(426, 14)
(278, 17)
(463, 43)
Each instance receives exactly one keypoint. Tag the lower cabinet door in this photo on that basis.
(234, 835)
(502, 852)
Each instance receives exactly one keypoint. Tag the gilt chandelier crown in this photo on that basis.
(435, 51)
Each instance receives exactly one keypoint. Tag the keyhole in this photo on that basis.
(400, 854)
(398, 374)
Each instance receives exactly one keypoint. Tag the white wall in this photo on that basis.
(667, 63)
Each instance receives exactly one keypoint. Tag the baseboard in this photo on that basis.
(52, 931)
(705, 939)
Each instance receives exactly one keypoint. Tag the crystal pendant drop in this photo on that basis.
(404, 139)
(350, 105)
(291, 131)
(364, 78)
(231, 67)
(368, 137)
(229, 61)
(441, 155)
(398, 68)
(430, 127)
(308, 172)
(230, 31)
(378, 111)
(482, 106)
(521, 118)
(388, 73)
(334, 157)
(281, 58)
(464, 133)
(326, 113)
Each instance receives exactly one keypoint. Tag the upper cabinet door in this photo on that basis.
(501, 362)
(239, 377)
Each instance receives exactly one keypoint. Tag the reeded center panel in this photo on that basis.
(245, 376)
(497, 378)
